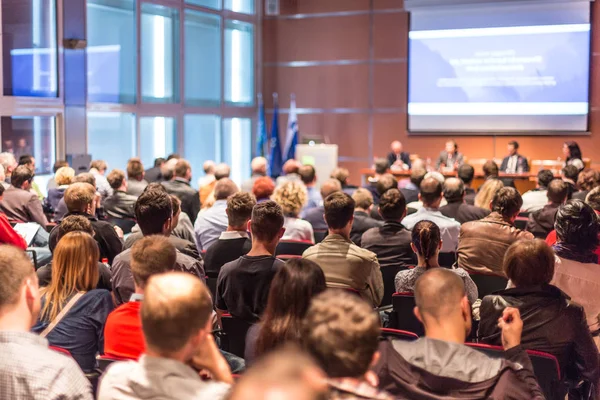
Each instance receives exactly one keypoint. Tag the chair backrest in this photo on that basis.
(292, 247)
(388, 273)
(398, 334)
(125, 224)
(488, 284)
(234, 340)
(403, 316)
(320, 234)
(447, 260)
(60, 350)
(521, 223)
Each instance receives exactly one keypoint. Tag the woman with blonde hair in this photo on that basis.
(292, 196)
(487, 192)
(64, 177)
(73, 311)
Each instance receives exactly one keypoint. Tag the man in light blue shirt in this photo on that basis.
(213, 221)
(431, 196)
(309, 178)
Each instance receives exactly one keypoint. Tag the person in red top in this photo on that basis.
(7, 234)
(123, 337)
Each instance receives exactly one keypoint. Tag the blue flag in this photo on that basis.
(261, 129)
(291, 134)
(275, 161)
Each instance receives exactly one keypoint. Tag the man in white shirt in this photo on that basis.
(536, 199)
(213, 221)
(431, 194)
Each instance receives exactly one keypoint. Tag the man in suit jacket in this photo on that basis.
(180, 187)
(454, 193)
(19, 202)
(514, 163)
(397, 158)
(119, 204)
(450, 159)
(154, 174)
(315, 215)
(362, 221)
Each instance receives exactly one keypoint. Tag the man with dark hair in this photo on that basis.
(541, 222)
(341, 332)
(180, 187)
(243, 285)
(154, 174)
(457, 208)
(119, 204)
(346, 265)
(213, 221)
(135, 177)
(308, 176)
(362, 221)
(29, 161)
(570, 174)
(19, 203)
(534, 200)
(411, 190)
(490, 170)
(315, 215)
(382, 167)
(514, 163)
(431, 196)
(439, 365)
(234, 242)
(29, 369)
(466, 173)
(154, 213)
(482, 243)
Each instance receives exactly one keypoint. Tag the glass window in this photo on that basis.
(201, 135)
(157, 138)
(241, 6)
(29, 37)
(239, 62)
(160, 54)
(111, 53)
(237, 138)
(34, 136)
(202, 59)
(105, 129)
(216, 4)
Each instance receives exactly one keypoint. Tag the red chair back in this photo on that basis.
(398, 334)
(60, 350)
(403, 317)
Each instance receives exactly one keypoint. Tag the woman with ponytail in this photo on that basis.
(426, 243)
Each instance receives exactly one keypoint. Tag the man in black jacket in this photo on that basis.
(119, 204)
(362, 221)
(457, 208)
(180, 187)
(541, 222)
(154, 174)
(466, 173)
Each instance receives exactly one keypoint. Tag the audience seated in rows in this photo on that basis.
(411, 190)
(80, 199)
(315, 215)
(135, 177)
(486, 193)
(363, 200)
(119, 204)
(235, 241)
(154, 213)
(457, 208)
(346, 265)
(212, 221)
(63, 177)
(207, 192)
(440, 366)
(98, 169)
(293, 287)
(73, 310)
(292, 197)
(390, 242)
(417, 205)
(431, 195)
(426, 243)
(18, 202)
(243, 285)
(552, 323)
(180, 187)
(342, 175)
(263, 188)
(541, 222)
(570, 174)
(466, 173)
(177, 325)
(536, 199)
(29, 369)
(308, 176)
(154, 174)
(587, 180)
(58, 164)
(483, 243)
(7, 233)
(290, 172)
(258, 167)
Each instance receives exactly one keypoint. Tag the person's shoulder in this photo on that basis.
(97, 295)
(311, 251)
(230, 266)
(369, 234)
(123, 256)
(367, 255)
(118, 370)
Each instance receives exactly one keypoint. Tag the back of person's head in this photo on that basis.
(173, 156)
(26, 159)
(381, 165)
(75, 223)
(74, 269)
(222, 171)
(557, 191)
(176, 308)
(291, 196)
(79, 197)
(307, 174)
(182, 168)
(20, 175)
(385, 183)
(115, 178)
(135, 169)
(529, 263)
(100, 165)
(209, 167)
(330, 186)
(392, 205)
(85, 177)
(16, 271)
(426, 239)
(168, 169)
(8, 161)
(224, 188)
(507, 202)
(466, 173)
(59, 164)
(341, 174)
(259, 165)
(576, 225)
(570, 172)
(486, 193)
(266, 222)
(153, 212)
(490, 168)
(293, 287)
(151, 255)
(430, 191)
(588, 179)
(544, 177)
(64, 176)
(158, 162)
(239, 209)
(417, 175)
(263, 187)
(454, 190)
(593, 199)
(341, 331)
(291, 167)
(363, 198)
(155, 186)
(339, 210)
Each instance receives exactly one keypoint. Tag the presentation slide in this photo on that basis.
(500, 79)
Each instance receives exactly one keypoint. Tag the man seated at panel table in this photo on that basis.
(398, 159)
(450, 158)
(514, 163)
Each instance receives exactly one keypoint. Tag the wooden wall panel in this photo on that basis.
(389, 86)
(390, 39)
(322, 6)
(387, 4)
